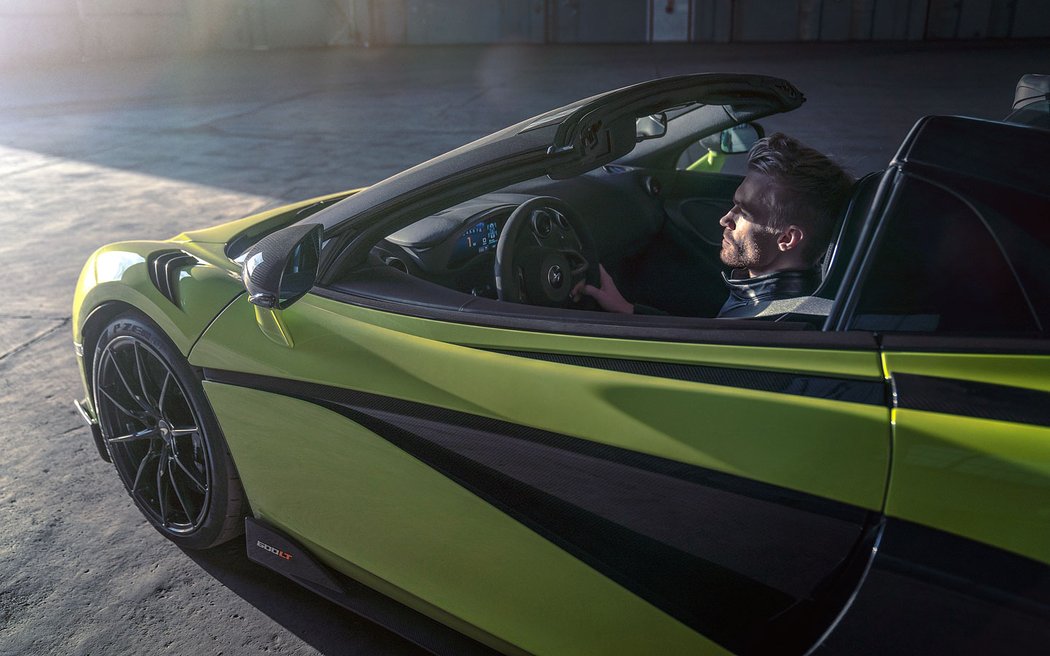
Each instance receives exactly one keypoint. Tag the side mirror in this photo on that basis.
(282, 267)
(650, 127)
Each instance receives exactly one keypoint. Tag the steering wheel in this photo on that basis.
(545, 249)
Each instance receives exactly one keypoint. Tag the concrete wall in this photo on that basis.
(474, 21)
(49, 31)
(598, 21)
(33, 31)
(1031, 18)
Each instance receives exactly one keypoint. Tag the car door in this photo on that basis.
(684, 486)
(956, 285)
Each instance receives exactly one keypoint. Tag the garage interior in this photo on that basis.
(71, 30)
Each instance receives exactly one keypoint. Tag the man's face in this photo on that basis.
(747, 240)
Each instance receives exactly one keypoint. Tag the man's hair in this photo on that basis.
(810, 189)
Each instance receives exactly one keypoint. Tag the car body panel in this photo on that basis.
(971, 451)
(931, 592)
(845, 361)
(599, 452)
(986, 478)
(396, 362)
(426, 519)
(119, 273)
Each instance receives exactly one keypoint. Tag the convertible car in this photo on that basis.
(393, 393)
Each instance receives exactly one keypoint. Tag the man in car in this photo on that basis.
(775, 234)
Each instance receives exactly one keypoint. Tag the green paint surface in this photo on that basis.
(118, 273)
(827, 448)
(313, 472)
(979, 478)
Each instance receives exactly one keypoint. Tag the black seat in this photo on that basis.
(844, 239)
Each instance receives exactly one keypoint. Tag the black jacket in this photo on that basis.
(749, 296)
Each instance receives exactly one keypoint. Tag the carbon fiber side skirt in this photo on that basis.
(271, 548)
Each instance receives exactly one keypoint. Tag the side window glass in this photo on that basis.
(701, 159)
(722, 152)
(939, 269)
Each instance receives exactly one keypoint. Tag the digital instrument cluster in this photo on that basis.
(481, 237)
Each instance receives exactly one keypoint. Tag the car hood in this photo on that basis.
(224, 243)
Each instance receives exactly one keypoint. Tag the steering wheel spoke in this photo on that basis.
(578, 263)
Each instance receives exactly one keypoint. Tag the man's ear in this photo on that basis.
(790, 239)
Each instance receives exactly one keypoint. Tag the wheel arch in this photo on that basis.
(92, 328)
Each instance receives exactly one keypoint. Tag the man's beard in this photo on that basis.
(741, 256)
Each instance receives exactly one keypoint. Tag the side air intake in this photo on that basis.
(164, 268)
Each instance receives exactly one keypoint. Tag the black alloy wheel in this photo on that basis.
(162, 437)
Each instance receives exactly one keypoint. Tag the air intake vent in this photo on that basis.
(164, 270)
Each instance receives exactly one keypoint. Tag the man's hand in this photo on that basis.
(607, 295)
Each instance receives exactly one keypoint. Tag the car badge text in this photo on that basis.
(274, 550)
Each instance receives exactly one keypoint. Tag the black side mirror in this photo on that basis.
(282, 267)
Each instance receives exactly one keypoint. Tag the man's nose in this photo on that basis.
(727, 220)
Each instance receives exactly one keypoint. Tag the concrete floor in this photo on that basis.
(102, 152)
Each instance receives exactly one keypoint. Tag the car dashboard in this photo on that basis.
(455, 248)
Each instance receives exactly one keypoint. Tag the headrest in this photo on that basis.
(846, 230)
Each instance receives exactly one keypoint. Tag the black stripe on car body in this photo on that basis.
(971, 399)
(724, 555)
(932, 592)
(869, 392)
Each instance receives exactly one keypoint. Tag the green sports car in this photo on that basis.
(394, 394)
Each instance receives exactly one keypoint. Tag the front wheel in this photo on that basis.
(162, 436)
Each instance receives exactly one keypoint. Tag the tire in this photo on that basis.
(163, 437)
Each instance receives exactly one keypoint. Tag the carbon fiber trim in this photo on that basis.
(971, 399)
(821, 387)
(271, 548)
(724, 555)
